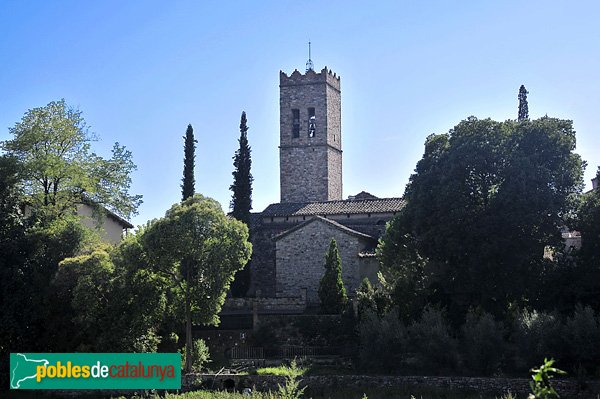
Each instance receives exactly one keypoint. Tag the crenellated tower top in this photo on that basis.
(296, 78)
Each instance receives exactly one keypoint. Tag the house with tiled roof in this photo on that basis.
(290, 238)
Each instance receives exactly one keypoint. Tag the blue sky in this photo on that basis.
(142, 70)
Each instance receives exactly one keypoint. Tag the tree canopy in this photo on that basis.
(199, 249)
(57, 169)
(484, 202)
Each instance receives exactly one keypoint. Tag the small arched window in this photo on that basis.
(312, 122)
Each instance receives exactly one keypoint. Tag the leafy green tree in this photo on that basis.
(57, 169)
(187, 188)
(332, 292)
(523, 106)
(484, 202)
(28, 307)
(14, 251)
(241, 201)
(198, 248)
(117, 303)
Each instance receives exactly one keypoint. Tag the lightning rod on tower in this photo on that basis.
(309, 63)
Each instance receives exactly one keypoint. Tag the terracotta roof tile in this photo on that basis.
(380, 205)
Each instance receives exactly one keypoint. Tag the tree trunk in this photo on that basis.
(188, 325)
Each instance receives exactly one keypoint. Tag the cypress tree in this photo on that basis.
(187, 188)
(523, 106)
(332, 292)
(241, 200)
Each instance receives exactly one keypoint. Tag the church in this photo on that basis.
(290, 238)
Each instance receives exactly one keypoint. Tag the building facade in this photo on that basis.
(310, 136)
(290, 238)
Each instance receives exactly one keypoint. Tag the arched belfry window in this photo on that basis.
(312, 125)
(295, 123)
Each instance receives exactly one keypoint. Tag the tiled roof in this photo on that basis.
(367, 254)
(324, 220)
(380, 205)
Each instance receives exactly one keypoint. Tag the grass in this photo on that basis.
(281, 371)
(343, 393)
(285, 371)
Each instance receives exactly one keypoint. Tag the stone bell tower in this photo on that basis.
(310, 149)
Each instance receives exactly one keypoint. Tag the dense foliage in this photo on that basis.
(523, 106)
(332, 292)
(241, 200)
(479, 247)
(198, 248)
(57, 169)
(485, 202)
(188, 181)
(482, 345)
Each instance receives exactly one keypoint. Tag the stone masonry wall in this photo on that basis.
(289, 304)
(303, 173)
(308, 170)
(520, 386)
(300, 259)
(262, 264)
(334, 174)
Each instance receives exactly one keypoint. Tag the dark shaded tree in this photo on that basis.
(523, 106)
(576, 279)
(484, 202)
(187, 188)
(241, 200)
(332, 292)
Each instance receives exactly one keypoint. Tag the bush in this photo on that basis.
(382, 340)
(291, 389)
(200, 353)
(483, 343)
(537, 335)
(373, 298)
(434, 348)
(582, 335)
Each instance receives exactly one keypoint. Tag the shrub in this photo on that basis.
(537, 335)
(434, 348)
(201, 355)
(540, 386)
(382, 340)
(483, 343)
(582, 335)
(291, 389)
